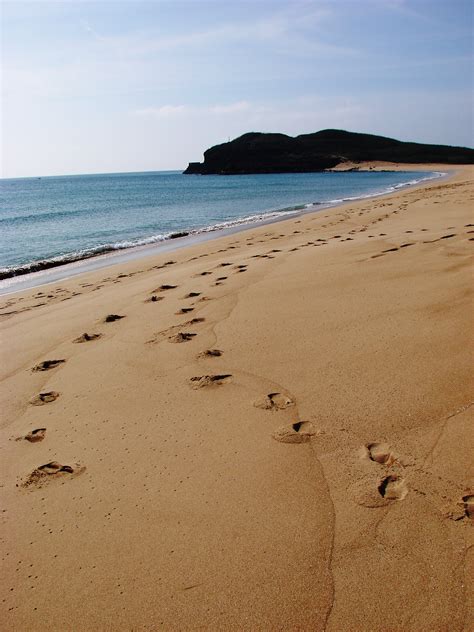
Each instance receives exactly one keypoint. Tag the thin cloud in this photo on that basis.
(225, 109)
(164, 111)
(292, 28)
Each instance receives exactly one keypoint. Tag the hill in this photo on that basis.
(277, 153)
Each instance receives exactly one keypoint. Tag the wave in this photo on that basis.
(103, 249)
(389, 189)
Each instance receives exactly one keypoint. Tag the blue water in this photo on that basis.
(69, 217)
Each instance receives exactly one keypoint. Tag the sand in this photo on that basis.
(280, 440)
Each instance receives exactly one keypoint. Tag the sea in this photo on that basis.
(52, 221)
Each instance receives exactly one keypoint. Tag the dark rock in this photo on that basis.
(277, 153)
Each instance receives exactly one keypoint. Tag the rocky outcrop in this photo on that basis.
(277, 153)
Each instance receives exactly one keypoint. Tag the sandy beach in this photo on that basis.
(272, 432)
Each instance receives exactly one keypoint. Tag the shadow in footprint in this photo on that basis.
(299, 432)
(45, 398)
(274, 401)
(380, 453)
(165, 287)
(34, 436)
(211, 353)
(432, 241)
(202, 381)
(51, 470)
(46, 365)
(182, 337)
(111, 318)
(87, 337)
(468, 502)
(393, 488)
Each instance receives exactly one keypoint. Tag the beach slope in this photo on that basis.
(268, 431)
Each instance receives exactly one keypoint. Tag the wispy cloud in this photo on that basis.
(282, 115)
(292, 27)
(166, 111)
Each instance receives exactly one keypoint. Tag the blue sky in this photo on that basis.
(133, 86)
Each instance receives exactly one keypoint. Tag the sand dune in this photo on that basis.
(285, 449)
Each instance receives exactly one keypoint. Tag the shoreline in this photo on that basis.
(53, 271)
(275, 426)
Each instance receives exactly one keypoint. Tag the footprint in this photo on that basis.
(202, 381)
(87, 337)
(52, 469)
(44, 398)
(274, 401)
(164, 288)
(185, 310)
(112, 318)
(47, 364)
(205, 273)
(173, 334)
(380, 453)
(182, 337)
(34, 436)
(222, 265)
(192, 294)
(221, 278)
(468, 502)
(432, 241)
(390, 250)
(154, 299)
(299, 432)
(393, 488)
(211, 353)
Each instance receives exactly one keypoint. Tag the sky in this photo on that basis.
(100, 87)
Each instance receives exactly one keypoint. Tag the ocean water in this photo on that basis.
(53, 220)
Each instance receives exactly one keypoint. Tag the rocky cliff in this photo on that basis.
(277, 153)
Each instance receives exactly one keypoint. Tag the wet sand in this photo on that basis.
(272, 430)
